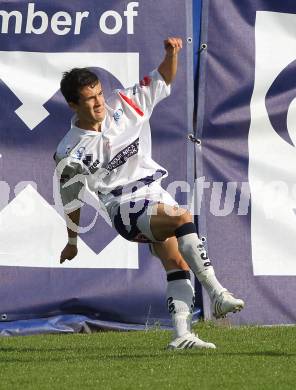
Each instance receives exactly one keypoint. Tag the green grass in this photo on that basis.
(246, 358)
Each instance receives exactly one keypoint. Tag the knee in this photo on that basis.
(183, 217)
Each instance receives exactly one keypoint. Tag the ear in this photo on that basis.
(73, 106)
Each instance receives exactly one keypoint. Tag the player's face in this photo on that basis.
(91, 105)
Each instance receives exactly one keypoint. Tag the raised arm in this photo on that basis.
(168, 67)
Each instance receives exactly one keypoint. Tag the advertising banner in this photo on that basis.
(246, 123)
(111, 280)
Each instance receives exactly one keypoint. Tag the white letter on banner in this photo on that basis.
(5, 21)
(61, 19)
(30, 18)
(130, 13)
(118, 22)
(79, 17)
(272, 159)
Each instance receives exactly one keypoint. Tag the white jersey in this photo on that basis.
(118, 157)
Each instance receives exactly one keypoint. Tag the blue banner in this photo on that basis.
(111, 279)
(246, 123)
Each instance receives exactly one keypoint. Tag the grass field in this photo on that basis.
(246, 358)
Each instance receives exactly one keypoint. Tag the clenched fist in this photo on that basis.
(173, 45)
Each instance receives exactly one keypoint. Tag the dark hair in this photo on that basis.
(74, 80)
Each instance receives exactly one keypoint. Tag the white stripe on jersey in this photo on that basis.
(120, 154)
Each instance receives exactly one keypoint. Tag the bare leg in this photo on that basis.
(167, 221)
(168, 253)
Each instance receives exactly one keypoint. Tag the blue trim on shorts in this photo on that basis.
(134, 234)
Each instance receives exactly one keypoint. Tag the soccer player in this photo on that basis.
(109, 147)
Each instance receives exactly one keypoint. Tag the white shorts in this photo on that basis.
(131, 217)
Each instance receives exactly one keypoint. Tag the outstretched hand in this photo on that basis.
(173, 45)
(68, 253)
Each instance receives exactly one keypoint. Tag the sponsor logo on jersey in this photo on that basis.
(95, 166)
(123, 155)
(118, 114)
(119, 159)
(80, 152)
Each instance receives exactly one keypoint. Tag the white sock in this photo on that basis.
(180, 301)
(194, 253)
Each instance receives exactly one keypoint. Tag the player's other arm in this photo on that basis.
(168, 67)
(70, 250)
(71, 185)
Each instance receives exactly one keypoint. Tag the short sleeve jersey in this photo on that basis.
(119, 156)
